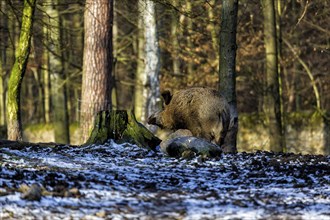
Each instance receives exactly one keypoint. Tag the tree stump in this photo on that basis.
(121, 126)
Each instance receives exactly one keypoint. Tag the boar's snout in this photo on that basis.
(155, 120)
(152, 119)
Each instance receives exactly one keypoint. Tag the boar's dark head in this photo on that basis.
(155, 119)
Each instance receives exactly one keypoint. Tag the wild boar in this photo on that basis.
(203, 111)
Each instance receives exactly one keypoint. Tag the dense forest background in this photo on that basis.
(189, 53)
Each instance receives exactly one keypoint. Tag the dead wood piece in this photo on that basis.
(121, 126)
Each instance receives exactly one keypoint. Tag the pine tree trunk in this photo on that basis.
(175, 41)
(14, 125)
(227, 71)
(189, 40)
(97, 62)
(2, 96)
(4, 24)
(45, 76)
(213, 32)
(272, 100)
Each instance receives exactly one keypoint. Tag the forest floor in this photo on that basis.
(114, 181)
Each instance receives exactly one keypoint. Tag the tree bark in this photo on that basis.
(4, 24)
(227, 72)
(121, 126)
(213, 33)
(14, 124)
(46, 83)
(190, 64)
(97, 62)
(175, 33)
(147, 93)
(2, 96)
(272, 105)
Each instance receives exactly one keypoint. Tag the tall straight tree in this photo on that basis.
(55, 67)
(14, 124)
(147, 81)
(2, 95)
(227, 72)
(272, 102)
(4, 25)
(97, 62)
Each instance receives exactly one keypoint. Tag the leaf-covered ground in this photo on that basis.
(114, 181)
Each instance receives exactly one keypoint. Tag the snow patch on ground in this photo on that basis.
(122, 181)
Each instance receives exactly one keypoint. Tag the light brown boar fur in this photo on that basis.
(203, 111)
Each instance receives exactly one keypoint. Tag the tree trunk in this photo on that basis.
(97, 62)
(147, 94)
(213, 32)
(57, 79)
(45, 77)
(189, 40)
(278, 21)
(4, 24)
(2, 96)
(115, 36)
(227, 73)
(272, 105)
(140, 77)
(14, 125)
(175, 41)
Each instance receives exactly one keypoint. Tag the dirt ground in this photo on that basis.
(114, 181)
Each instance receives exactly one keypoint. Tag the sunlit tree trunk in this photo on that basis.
(14, 124)
(175, 42)
(46, 86)
(140, 77)
(59, 110)
(189, 39)
(78, 42)
(97, 62)
(227, 73)
(272, 105)
(4, 24)
(2, 95)
(213, 32)
(147, 83)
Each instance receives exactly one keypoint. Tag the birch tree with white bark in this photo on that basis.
(147, 92)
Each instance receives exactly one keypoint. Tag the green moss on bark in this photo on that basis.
(121, 126)
(17, 73)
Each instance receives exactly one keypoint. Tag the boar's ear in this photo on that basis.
(167, 96)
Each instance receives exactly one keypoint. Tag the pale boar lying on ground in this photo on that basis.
(203, 111)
